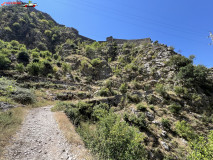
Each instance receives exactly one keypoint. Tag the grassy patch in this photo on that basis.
(10, 121)
(72, 136)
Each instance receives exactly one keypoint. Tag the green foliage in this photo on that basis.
(34, 69)
(60, 106)
(160, 89)
(12, 90)
(105, 92)
(4, 62)
(20, 68)
(175, 108)
(134, 98)
(66, 68)
(166, 123)
(23, 57)
(79, 112)
(141, 107)
(96, 62)
(7, 29)
(179, 61)
(123, 88)
(186, 74)
(48, 33)
(202, 148)
(184, 130)
(23, 96)
(16, 25)
(138, 121)
(114, 139)
(180, 90)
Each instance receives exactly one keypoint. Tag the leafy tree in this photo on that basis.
(23, 57)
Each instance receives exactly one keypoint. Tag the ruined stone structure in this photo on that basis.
(122, 41)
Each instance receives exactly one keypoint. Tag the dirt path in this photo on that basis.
(39, 139)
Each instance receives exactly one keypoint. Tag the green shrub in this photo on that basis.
(141, 107)
(166, 123)
(134, 98)
(48, 33)
(16, 25)
(66, 68)
(20, 68)
(79, 112)
(7, 29)
(23, 57)
(33, 69)
(179, 61)
(138, 121)
(202, 148)
(105, 92)
(4, 62)
(96, 62)
(175, 108)
(184, 130)
(180, 90)
(160, 89)
(114, 139)
(23, 96)
(123, 88)
(60, 106)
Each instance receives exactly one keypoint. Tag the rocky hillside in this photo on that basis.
(34, 28)
(141, 101)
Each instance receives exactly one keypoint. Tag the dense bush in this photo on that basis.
(202, 148)
(179, 61)
(134, 98)
(166, 123)
(184, 130)
(141, 107)
(136, 120)
(4, 62)
(160, 89)
(104, 92)
(20, 68)
(123, 88)
(96, 62)
(79, 112)
(23, 96)
(175, 108)
(34, 69)
(113, 139)
(23, 57)
(180, 90)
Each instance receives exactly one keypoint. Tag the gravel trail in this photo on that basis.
(39, 139)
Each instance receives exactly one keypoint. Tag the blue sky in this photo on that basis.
(184, 24)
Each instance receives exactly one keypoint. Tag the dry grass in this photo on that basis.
(10, 122)
(72, 136)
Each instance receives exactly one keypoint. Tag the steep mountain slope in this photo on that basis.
(34, 28)
(126, 91)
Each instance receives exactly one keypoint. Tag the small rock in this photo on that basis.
(165, 146)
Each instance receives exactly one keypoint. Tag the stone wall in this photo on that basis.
(122, 41)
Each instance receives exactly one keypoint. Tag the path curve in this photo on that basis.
(39, 139)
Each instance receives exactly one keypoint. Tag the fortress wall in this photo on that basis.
(122, 41)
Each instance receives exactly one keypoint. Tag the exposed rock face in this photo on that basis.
(5, 106)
